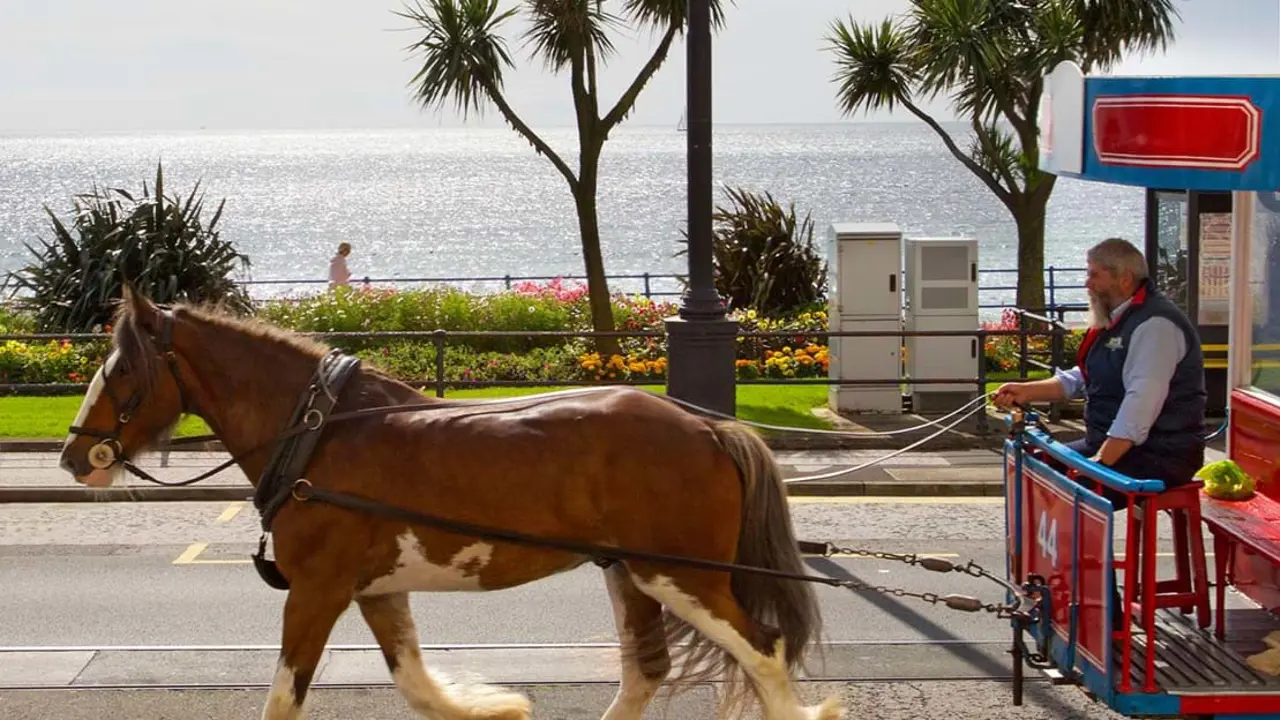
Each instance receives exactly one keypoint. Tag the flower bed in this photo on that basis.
(553, 306)
(1002, 351)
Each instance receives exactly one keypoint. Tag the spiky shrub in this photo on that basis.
(764, 256)
(161, 244)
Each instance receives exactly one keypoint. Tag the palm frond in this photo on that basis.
(874, 68)
(662, 14)
(561, 30)
(464, 55)
(1113, 28)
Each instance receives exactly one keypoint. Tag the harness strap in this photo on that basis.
(290, 457)
(604, 555)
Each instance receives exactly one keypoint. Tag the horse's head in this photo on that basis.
(134, 398)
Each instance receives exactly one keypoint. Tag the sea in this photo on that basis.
(471, 202)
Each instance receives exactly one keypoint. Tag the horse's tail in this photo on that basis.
(765, 539)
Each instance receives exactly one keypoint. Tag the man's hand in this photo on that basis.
(1113, 448)
(1014, 393)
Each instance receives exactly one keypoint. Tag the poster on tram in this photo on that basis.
(1065, 538)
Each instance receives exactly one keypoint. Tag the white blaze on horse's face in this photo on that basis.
(413, 572)
(96, 478)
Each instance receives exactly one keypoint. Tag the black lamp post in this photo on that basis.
(701, 341)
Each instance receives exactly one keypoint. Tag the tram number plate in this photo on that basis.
(1047, 537)
(1054, 550)
(1049, 531)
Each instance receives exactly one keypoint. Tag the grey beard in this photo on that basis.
(1099, 313)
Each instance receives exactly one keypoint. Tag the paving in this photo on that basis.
(958, 700)
(36, 477)
(910, 460)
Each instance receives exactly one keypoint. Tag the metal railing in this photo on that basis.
(440, 339)
(660, 285)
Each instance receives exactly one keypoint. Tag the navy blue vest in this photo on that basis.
(1178, 432)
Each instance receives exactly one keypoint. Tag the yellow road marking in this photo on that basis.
(230, 513)
(189, 555)
(192, 553)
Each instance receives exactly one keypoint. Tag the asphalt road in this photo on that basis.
(150, 590)
(177, 574)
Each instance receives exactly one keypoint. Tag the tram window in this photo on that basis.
(1171, 247)
(1264, 286)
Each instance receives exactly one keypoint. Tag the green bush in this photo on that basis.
(362, 310)
(764, 257)
(14, 322)
(160, 244)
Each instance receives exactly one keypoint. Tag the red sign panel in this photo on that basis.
(1094, 626)
(1052, 548)
(1204, 132)
(1048, 537)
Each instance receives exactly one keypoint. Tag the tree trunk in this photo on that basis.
(1030, 220)
(593, 260)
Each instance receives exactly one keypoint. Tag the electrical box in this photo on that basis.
(942, 295)
(864, 263)
(865, 266)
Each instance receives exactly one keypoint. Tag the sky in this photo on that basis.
(175, 65)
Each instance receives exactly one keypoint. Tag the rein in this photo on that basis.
(282, 479)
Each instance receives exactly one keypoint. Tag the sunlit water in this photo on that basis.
(470, 202)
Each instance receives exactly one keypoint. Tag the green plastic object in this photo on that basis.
(1226, 481)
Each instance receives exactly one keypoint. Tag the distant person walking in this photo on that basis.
(338, 272)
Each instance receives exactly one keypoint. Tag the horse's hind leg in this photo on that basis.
(309, 616)
(645, 660)
(390, 620)
(705, 601)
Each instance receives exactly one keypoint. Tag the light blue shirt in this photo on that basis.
(1155, 349)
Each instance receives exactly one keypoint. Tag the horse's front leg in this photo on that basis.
(310, 612)
(389, 618)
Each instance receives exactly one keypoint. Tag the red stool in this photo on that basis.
(1189, 588)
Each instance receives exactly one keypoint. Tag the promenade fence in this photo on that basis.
(1030, 362)
(996, 286)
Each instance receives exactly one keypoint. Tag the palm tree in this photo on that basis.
(990, 58)
(465, 55)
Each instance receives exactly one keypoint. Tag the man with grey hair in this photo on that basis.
(1140, 370)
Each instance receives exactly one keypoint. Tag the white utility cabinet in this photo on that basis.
(864, 261)
(942, 294)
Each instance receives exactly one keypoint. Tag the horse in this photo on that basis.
(614, 467)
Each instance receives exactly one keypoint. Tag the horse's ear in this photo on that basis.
(146, 316)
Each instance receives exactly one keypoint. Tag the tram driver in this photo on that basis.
(1140, 371)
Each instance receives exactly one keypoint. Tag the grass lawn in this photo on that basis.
(48, 417)
(787, 405)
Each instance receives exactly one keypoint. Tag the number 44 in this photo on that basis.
(1047, 537)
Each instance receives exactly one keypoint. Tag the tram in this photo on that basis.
(1172, 647)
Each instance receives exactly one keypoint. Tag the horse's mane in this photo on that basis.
(139, 353)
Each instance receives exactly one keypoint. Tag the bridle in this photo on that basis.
(108, 451)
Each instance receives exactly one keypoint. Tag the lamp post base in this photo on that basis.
(700, 365)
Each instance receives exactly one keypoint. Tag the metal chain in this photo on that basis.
(966, 603)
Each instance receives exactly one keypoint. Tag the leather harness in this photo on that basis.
(291, 455)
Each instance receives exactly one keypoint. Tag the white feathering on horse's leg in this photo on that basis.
(774, 685)
(478, 701)
(282, 703)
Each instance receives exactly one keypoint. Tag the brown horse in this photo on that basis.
(615, 467)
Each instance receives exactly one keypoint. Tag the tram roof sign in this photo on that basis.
(1195, 133)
